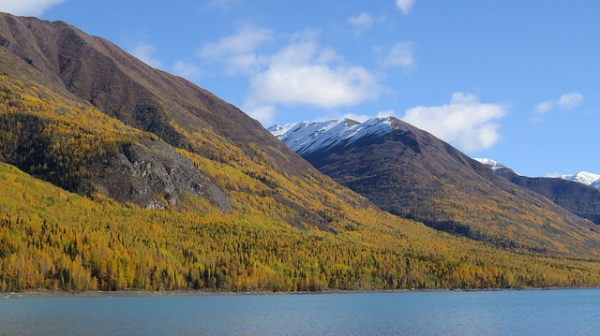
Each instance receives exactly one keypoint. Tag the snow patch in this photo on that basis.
(308, 137)
(490, 163)
(584, 177)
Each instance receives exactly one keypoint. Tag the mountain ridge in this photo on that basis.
(213, 136)
(410, 173)
(127, 88)
(574, 192)
(582, 177)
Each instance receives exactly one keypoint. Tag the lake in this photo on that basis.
(535, 312)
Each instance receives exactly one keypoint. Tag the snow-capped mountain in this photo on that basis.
(583, 177)
(578, 193)
(490, 163)
(308, 137)
(401, 168)
(411, 173)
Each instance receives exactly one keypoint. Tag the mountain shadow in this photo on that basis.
(582, 200)
(410, 173)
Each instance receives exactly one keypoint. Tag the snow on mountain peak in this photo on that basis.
(583, 177)
(308, 137)
(490, 163)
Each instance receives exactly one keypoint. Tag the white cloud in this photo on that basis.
(245, 63)
(402, 55)
(405, 5)
(245, 41)
(265, 114)
(187, 70)
(303, 73)
(27, 7)
(363, 20)
(570, 100)
(544, 107)
(144, 51)
(239, 50)
(464, 122)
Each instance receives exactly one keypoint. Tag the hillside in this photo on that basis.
(95, 73)
(569, 191)
(412, 174)
(55, 240)
(118, 176)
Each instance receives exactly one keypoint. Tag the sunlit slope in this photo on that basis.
(74, 146)
(227, 148)
(56, 240)
(121, 86)
(90, 199)
(53, 239)
(229, 153)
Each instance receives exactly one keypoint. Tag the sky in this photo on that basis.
(515, 81)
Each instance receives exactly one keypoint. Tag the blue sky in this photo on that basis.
(516, 81)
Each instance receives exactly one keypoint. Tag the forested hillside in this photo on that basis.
(413, 174)
(51, 239)
(117, 176)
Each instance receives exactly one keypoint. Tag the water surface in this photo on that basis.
(543, 312)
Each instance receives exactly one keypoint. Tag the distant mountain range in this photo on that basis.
(582, 177)
(577, 193)
(412, 174)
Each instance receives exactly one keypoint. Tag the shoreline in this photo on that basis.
(179, 293)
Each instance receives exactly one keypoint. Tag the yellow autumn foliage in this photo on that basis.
(53, 239)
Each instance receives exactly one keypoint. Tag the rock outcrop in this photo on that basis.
(153, 175)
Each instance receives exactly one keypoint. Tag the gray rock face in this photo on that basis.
(155, 176)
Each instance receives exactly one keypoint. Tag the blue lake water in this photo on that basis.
(541, 312)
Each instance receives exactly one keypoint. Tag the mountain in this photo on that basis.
(492, 164)
(118, 176)
(412, 174)
(186, 117)
(573, 192)
(583, 177)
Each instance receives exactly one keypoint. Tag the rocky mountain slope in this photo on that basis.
(573, 192)
(412, 174)
(184, 116)
(118, 176)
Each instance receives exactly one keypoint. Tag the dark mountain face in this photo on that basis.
(580, 199)
(124, 87)
(412, 174)
(406, 162)
(181, 127)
